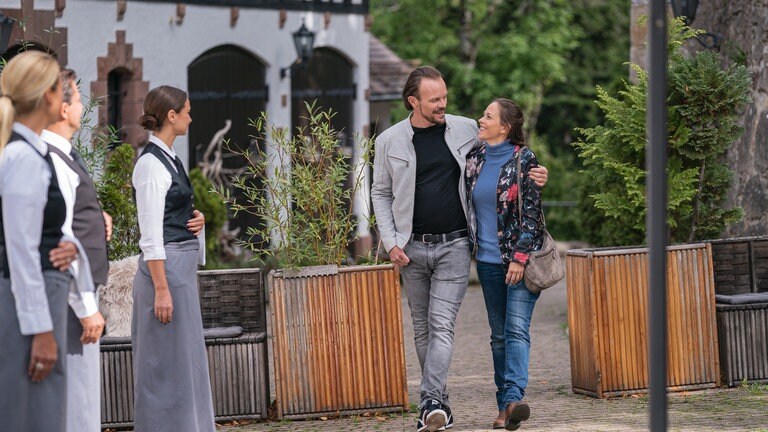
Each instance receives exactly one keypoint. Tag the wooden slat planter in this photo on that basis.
(607, 318)
(743, 337)
(338, 341)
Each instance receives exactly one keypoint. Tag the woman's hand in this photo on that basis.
(42, 356)
(514, 273)
(163, 304)
(539, 174)
(93, 326)
(196, 224)
(63, 255)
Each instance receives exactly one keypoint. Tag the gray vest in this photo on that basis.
(88, 221)
(179, 200)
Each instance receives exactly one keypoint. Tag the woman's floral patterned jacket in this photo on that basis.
(515, 242)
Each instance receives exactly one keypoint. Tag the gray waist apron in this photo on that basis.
(83, 379)
(170, 366)
(26, 406)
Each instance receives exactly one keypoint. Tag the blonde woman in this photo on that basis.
(34, 286)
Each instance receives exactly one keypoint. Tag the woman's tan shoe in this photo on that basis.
(516, 412)
(499, 422)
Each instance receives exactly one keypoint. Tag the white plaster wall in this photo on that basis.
(168, 48)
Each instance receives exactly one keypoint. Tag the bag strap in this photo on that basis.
(520, 192)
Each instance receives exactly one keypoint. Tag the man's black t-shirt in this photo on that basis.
(437, 207)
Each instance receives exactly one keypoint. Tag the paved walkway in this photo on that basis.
(554, 406)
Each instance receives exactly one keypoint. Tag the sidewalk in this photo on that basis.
(554, 407)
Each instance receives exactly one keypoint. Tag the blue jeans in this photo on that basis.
(510, 308)
(435, 282)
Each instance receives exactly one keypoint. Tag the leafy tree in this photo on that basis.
(485, 48)
(598, 59)
(704, 103)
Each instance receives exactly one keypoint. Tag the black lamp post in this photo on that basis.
(687, 10)
(304, 41)
(6, 27)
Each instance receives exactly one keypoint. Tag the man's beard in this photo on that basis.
(431, 117)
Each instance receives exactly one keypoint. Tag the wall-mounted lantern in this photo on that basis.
(304, 41)
(687, 10)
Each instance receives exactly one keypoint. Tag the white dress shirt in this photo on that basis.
(24, 196)
(152, 181)
(83, 301)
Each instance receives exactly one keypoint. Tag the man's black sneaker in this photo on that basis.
(448, 417)
(432, 417)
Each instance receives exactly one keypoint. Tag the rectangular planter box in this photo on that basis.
(238, 366)
(338, 341)
(740, 265)
(743, 337)
(233, 297)
(235, 365)
(608, 324)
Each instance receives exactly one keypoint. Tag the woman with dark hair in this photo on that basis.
(503, 237)
(172, 387)
(34, 252)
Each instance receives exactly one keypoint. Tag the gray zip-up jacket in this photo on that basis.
(394, 175)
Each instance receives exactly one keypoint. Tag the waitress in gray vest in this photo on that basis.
(91, 227)
(33, 286)
(172, 387)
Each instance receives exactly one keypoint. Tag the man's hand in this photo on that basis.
(539, 175)
(63, 255)
(197, 222)
(93, 326)
(107, 224)
(398, 257)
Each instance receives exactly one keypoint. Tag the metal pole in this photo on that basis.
(656, 222)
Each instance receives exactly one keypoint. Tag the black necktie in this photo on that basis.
(78, 159)
(180, 169)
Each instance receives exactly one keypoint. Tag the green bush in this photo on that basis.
(116, 196)
(704, 104)
(215, 211)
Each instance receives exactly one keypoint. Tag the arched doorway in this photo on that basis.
(226, 82)
(328, 79)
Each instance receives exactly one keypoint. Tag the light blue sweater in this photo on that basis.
(484, 202)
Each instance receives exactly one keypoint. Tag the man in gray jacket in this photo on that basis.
(419, 200)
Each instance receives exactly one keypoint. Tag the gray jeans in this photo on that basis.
(435, 282)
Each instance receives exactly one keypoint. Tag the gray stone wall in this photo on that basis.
(743, 27)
